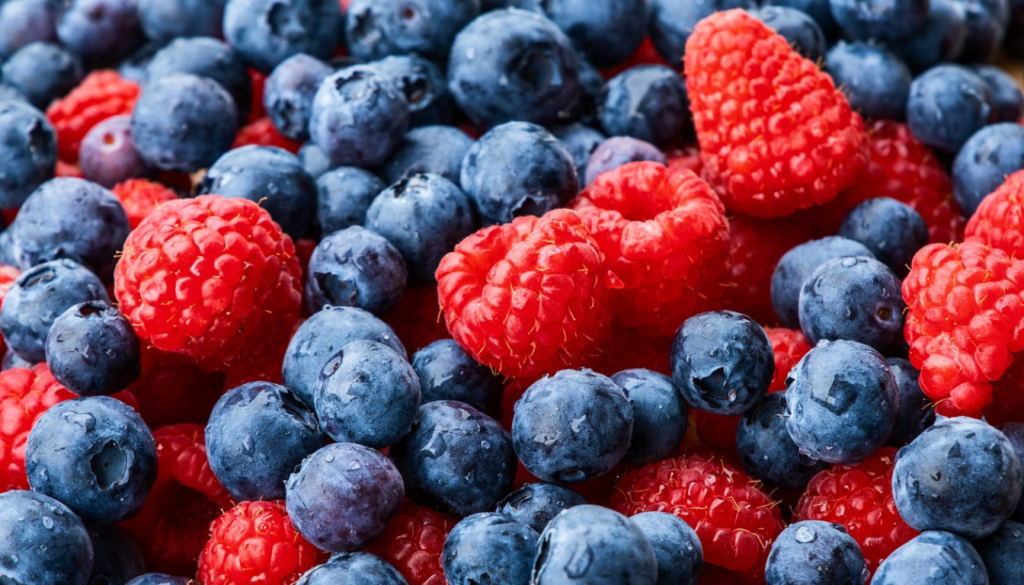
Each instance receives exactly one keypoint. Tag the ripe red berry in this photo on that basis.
(413, 544)
(101, 95)
(261, 132)
(789, 347)
(24, 396)
(170, 391)
(141, 197)
(417, 320)
(999, 220)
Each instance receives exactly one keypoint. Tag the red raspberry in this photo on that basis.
(664, 234)
(417, 320)
(413, 543)
(624, 349)
(716, 430)
(210, 278)
(860, 498)
(684, 158)
(262, 132)
(259, 80)
(101, 95)
(140, 198)
(775, 134)
(255, 543)
(735, 520)
(71, 170)
(526, 298)
(712, 575)
(999, 220)
(789, 347)
(24, 396)
(170, 391)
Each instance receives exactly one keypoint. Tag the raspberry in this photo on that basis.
(684, 158)
(789, 347)
(526, 298)
(664, 234)
(735, 520)
(101, 95)
(717, 430)
(71, 170)
(257, 111)
(210, 278)
(141, 197)
(170, 391)
(860, 498)
(255, 542)
(413, 543)
(775, 134)
(999, 220)
(24, 396)
(965, 319)
(712, 575)
(262, 132)
(624, 349)
(417, 319)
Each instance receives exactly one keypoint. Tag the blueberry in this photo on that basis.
(617, 151)
(722, 362)
(798, 28)
(165, 20)
(266, 32)
(428, 149)
(573, 426)
(133, 67)
(518, 169)
(378, 28)
(258, 433)
(941, 38)
(355, 267)
(70, 218)
(880, 20)
(489, 548)
(117, 559)
(932, 558)
(343, 496)
(874, 80)
(42, 541)
(456, 457)
(38, 296)
(819, 10)
(841, 402)
(672, 22)
(766, 449)
(985, 160)
(358, 116)
(581, 141)
(108, 155)
(513, 65)
(359, 568)
(659, 414)
(100, 30)
(617, 550)
(591, 84)
(424, 86)
(12, 360)
(960, 475)
(447, 372)
(1013, 45)
(676, 547)
(42, 72)
(815, 553)
(798, 264)
(9, 93)
(916, 410)
(26, 21)
(314, 160)
(946, 105)
(1003, 554)
(1007, 100)
(323, 334)
(424, 216)
(986, 27)
(343, 196)
(1015, 434)
(92, 349)
(159, 579)
(647, 102)
(606, 32)
(95, 455)
(205, 57)
(893, 231)
(183, 122)
(28, 152)
(535, 504)
(288, 93)
(267, 175)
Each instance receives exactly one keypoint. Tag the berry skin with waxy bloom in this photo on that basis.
(101, 95)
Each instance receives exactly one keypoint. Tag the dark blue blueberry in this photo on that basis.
(343, 496)
(447, 372)
(673, 21)
(512, 64)
(424, 216)
(183, 122)
(165, 20)
(647, 102)
(842, 402)
(489, 548)
(378, 28)
(886, 21)
(266, 32)
(984, 162)
(815, 553)
(1015, 434)
(941, 38)
(819, 10)
(343, 196)
(314, 160)
(355, 267)
(617, 151)
(42, 72)
(581, 141)
(428, 149)
(518, 169)
(456, 457)
(323, 334)
(26, 21)
(133, 67)
(100, 30)
(38, 296)
(606, 32)
(28, 152)
(359, 568)
(874, 80)
(258, 433)
(117, 558)
(617, 550)
(95, 455)
(798, 28)
(159, 579)
(916, 410)
(933, 558)
(1013, 41)
(798, 264)
(535, 504)
(70, 218)
(677, 549)
(288, 94)
(659, 414)
(986, 27)
(108, 155)
(92, 349)
(766, 449)
(424, 86)
(591, 84)
(42, 541)
(573, 426)
(1007, 100)
(270, 176)
(947, 104)
(893, 231)
(1003, 554)
(722, 362)
(205, 57)
(358, 116)
(960, 475)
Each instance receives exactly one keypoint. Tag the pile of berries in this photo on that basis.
(511, 292)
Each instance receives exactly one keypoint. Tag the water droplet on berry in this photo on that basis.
(47, 523)
(329, 458)
(805, 534)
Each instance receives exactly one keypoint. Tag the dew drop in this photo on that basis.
(805, 534)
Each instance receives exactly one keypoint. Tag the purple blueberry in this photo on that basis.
(108, 155)
(617, 151)
(92, 349)
(26, 21)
